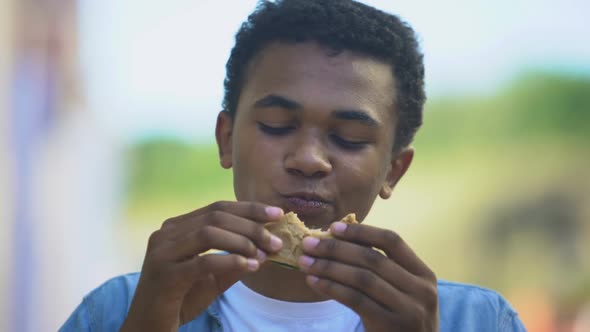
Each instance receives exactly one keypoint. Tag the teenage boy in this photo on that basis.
(322, 100)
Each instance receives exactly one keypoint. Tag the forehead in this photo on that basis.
(318, 77)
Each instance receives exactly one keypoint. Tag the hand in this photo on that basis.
(394, 291)
(178, 281)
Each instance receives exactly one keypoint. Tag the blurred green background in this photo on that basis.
(498, 194)
(107, 110)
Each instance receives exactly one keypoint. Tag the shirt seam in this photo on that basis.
(489, 295)
(506, 317)
(469, 286)
(215, 316)
(90, 309)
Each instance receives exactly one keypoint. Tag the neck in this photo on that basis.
(281, 284)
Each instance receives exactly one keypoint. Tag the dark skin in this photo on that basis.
(313, 134)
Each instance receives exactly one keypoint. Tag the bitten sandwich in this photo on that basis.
(292, 231)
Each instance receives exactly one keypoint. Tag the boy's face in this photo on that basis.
(313, 133)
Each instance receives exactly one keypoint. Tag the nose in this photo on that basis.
(308, 157)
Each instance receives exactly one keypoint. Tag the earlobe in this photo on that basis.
(223, 135)
(400, 163)
(386, 191)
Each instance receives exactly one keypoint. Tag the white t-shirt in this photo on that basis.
(242, 309)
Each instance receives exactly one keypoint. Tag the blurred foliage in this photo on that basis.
(497, 194)
(535, 108)
(169, 168)
(168, 177)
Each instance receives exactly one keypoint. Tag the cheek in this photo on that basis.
(358, 169)
(362, 170)
(360, 181)
(254, 158)
(253, 148)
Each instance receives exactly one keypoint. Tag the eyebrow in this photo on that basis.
(273, 100)
(278, 101)
(356, 115)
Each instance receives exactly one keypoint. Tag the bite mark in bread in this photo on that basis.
(292, 231)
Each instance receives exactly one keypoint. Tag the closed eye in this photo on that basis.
(275, 131)
(346, 144)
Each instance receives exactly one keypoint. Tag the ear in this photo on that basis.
(400, 162)
(223, 135)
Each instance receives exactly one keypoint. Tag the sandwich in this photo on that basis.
(292, 231)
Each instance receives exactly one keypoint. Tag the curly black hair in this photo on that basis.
(339, 25)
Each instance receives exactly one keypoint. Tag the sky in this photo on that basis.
(156, 68)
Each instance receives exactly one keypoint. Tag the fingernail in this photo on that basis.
(310, 242)
(273, 212)
(312, 279)
(275, 242)
(260, 255)
(306, 261)
(339, 227)
(252, 264)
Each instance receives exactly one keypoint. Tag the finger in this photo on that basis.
(262, 213)
(363, 280)
(207, 238)
(388, 241)
(255, 211)
(348, 296)
(250, 218)
(219, 264)
(252, 230)
(364, 257)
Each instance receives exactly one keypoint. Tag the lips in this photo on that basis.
(306, 204)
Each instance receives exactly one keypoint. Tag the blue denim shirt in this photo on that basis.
(462, 308)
